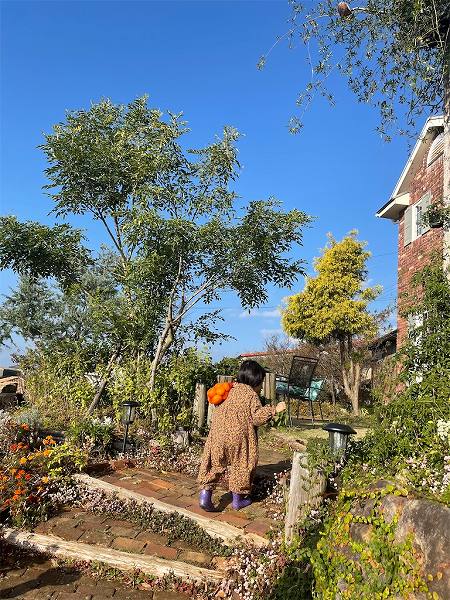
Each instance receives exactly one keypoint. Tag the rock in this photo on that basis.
(429, 524)
(361, 532)
(392, 506)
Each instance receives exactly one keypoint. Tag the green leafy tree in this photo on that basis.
(334, 307)
(178, 237)
(35, 250)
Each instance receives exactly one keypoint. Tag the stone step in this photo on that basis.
(219, 529)
(125, 561)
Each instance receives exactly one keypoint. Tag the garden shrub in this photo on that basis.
(173, 396)
(59, 389)
(369, 565)
(93, 434)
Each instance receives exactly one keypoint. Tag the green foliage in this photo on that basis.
(228, 365)
(90, 316)
(65, 459)
(437, 213)
(405, 440)
(394, 54)
(175, 386)
(173, 394)
(36, 250)
(177, 239)
(94, 434)
(56, 383)
(333, 304)
(170, 217)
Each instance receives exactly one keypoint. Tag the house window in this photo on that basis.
(414, 227)
(436, 149)
(420, 227)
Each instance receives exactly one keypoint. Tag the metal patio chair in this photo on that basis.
(301, 386)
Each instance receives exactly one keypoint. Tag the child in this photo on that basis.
(232, 444)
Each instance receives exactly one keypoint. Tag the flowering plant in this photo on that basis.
(29, 471)
(24, 480)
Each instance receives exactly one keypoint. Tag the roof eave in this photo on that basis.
(394, 207)
(431, 123)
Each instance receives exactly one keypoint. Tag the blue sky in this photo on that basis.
(199, 58)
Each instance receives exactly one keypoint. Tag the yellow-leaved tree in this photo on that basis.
(334, 307)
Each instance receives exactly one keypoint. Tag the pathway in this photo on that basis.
(124, 545)
(39, 579)
(181, 491)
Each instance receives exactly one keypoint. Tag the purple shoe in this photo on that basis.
(240, 501)
(205, 501)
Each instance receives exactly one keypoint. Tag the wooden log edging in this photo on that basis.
(125, 561)
(219, 529)
(305, 492)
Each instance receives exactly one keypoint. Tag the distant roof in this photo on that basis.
(271, 353)
(391, 336)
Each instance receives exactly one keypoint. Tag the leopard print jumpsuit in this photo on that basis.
(231, 449)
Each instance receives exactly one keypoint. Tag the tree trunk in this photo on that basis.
(103, 382)
(351, 375)
(164, 343)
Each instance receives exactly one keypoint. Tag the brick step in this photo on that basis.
(76, 525)
(124, 561)
(217, 526)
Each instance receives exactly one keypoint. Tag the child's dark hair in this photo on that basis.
(251, 373)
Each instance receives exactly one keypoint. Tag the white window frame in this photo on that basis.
(418, 228)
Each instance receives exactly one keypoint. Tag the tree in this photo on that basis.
(35, 250)
(334, 307)
(395, 55)
(178, 238)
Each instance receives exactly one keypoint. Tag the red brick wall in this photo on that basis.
(414, 256)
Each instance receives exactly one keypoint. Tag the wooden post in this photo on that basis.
(269, 390)
(224, 378)
(200, 405)
(305, 492)
(211, 408)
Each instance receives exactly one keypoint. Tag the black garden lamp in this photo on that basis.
(128, 417)
(338, 436)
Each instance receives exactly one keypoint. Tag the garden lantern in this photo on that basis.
(338, 436)
(128, 417)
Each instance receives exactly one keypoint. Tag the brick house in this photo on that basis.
(420, 184)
